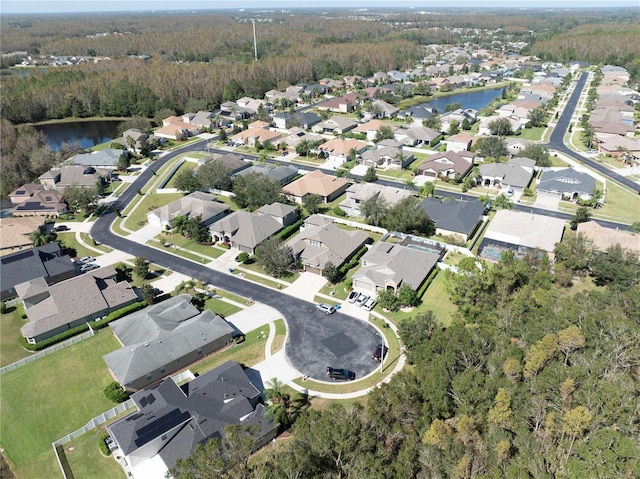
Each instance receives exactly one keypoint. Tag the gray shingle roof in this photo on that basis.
(246, 229)
(108, 157)
(459, 216)
(198, 203)
(568, 181)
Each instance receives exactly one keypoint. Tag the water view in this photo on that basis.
(86, 133)
(476, 100)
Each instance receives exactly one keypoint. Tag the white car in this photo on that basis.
(86, 259)
(361, 299)
(370, 304)
(325, 308)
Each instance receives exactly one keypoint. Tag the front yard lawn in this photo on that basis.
(221, 307)
(51, 397)
(69, 241)
(137, 218)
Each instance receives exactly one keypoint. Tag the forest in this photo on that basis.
(537, 377)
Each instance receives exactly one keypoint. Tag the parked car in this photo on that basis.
(341, 374)
(380, 353)
(157, 291)
(88, 267)
(59, 228)
(353, 295)
(86, 259)
(370, 304)
(361, 299)
(325, 308)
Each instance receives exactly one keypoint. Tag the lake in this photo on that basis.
(86, 133)
(476, 100)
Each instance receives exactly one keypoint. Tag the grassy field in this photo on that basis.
(87, 461)
(435, 299)
(10, 348)
(68, 240)
(532, 134)
(138, 217)
(46, 399)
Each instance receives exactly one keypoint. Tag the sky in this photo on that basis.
(64, 6)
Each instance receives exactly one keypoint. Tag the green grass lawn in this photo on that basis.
(137, 218)
(186, 166)
(278, 340)
(221, 307)
(257, 279)
(532, 134)
(10, 348)
(87, 461)
(191, 245)
(68, 241)
(435, 299)
(51, 397)
(89, 240)
(256, 268)
(619, 204)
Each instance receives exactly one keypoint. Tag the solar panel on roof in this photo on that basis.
(160, 426)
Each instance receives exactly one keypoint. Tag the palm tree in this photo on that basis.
(280, 404)
(38, 237)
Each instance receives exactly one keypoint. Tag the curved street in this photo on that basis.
(314, 340)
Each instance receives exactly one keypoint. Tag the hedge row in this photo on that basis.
(353, 261)
(290, 230)
(82, 328)
(435, 141)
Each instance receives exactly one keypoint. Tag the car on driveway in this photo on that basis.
(380, 353)
(60, 228)
(88, 267)
(340, 374)
(325, 308)
(370, 304)
(353, 295)
(361, 299)
(86, 259)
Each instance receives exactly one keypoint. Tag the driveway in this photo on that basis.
(547, 201)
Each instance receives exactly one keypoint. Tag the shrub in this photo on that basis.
(115, 393)
(243, 257)
(338, 211)
(239, 339)
(104, 449)
(289, 230)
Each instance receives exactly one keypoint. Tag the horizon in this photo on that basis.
(36, 7)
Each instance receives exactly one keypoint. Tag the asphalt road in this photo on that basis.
(315, 340)
(556, 140)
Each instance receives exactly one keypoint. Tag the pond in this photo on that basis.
(476, 100)
(86, 133)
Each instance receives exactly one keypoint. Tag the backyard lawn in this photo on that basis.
(51, 397)
(10, 348)
(186, 166)
(87, 461)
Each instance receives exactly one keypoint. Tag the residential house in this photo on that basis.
(177, 128)
(381, 109)
(162, 339)
(360, 192)
(45, 261)
(516, 145)
(252, 105)
(336, 125)
(245, 231)
(283, 173)
(386, 157)
(255, 134)
(106, 159)
(14, 233)
(287, 120)
(232, 111)
(449, 164)
(521, 233)
(298, 135)
(132, 139)
(567, 183)
(53, 309)
(417, 113)
(416, 135)
(197, 204)
(170, 421)
(233, 162)
(603, 238)
(618, 146)
(388, 266)
(342, 104)
(460, 142)
(291, 94)
(72, 175)
(316, 246)
(516, 174)
(372, 127)
(453, 217)
(485, 129)
(203, 119)
(30, 201)
(338, 149)
(458, 115)
(328, 187)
